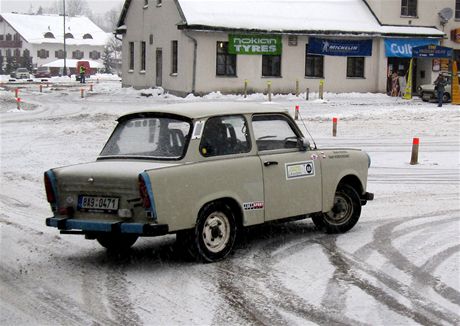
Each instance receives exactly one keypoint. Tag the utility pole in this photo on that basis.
(64, 71)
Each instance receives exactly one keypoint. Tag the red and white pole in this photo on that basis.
(334, 127)
(18, 103)
(414, 157)
(16, 92)
(296, 116)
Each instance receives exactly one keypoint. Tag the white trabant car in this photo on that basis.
(204, 171)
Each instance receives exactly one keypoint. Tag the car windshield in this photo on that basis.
(22, 70)
(161, 137)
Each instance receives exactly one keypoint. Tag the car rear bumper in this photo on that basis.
(74, 226)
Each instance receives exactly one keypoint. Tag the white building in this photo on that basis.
(41, 37)
(201, 46)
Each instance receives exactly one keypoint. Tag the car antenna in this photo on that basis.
(305, 126)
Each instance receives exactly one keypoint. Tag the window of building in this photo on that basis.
(314, 64)
(77, 54)
(225, 62)
(146, 3)
(26, 53)
(224, 136)
(142, 56)
(174, 57)
(68, 35)
(43, 54)
(409, 8)
(48, 35)
(8, 53)
(17, 53)
(16, 37)
(131, 55)
(95, 55)
(457, 9)
(266, 140)
(151, 39)
(59, 54)
(87, 36)
(355, 67)
(271, 66)
(9, 37)
(1, 37)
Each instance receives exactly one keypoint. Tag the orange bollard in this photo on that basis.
(18, 103)
(90, 87)
(41, 88)
(334, 127)
(414, 156)
(82, 92)
(296, 116)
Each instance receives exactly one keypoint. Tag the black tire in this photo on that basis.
(344, 214)
(423, 97)
(214, 235)
(116, 242)
(446, 98)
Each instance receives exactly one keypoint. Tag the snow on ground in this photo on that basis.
(398, 266)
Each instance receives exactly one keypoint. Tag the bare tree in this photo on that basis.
(72, 8)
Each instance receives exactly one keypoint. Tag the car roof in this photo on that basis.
(198, 110)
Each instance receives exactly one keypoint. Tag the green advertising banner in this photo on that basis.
(255, 44)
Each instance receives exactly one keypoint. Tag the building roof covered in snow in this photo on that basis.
(288, 16)
(39, 29)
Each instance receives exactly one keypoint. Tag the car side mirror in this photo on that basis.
(303, 144)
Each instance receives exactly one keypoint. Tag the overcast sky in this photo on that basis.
(23, 6)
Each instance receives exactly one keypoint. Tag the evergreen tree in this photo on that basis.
(107, 60)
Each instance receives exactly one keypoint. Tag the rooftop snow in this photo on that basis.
(33, 28)
(346, 16)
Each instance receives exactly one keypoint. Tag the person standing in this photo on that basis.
(440, 84)
(82, 74)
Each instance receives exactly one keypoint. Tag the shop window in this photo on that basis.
(142, 56)
(68, 35)
(225, 62)
(457, 9)
(409, 8)
(48, 35)
(355, 67)
(271, 66)
(314, 64)
(95, 55)
(77, 54)
(174, 57)
(42, 54)
(131, 55)
(87, 36)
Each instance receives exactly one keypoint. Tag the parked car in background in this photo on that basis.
(204, 171)
(21, 73)
(428, 91)
(43, 72)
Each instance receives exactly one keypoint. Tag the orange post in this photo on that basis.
(82, 92)
(334, 127)
(90, 87)
(18, 103)
(16, 92)
(414, 157)
(41, 88)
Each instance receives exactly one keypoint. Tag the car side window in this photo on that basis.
(273, 131)
(225, 135)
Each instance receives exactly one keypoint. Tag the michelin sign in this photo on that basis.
(255, 44)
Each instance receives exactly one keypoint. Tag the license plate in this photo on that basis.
(99, 204)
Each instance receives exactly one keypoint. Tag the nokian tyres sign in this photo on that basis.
(255, 44)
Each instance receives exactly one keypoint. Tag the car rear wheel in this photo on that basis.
(116, 242)
(214, 234)
(344, 214)
(446, 98)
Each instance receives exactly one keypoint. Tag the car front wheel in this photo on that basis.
(344, 214)
(116, 242)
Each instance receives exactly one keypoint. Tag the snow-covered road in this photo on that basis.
(400, 265)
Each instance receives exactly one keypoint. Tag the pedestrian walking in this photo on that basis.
(440, 85)
(82, 74)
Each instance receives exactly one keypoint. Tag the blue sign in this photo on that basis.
(431, 51)
(346, 48)
(402, 47)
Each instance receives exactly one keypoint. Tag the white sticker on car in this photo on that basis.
(198, 131)
(300, 170)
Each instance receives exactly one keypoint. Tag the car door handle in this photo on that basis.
(268, 163)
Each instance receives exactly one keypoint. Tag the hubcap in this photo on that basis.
(342, 210)
(216, 232)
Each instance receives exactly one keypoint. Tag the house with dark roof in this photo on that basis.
(40, 38)
(201, 46)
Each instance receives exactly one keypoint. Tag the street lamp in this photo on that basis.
(64, 71)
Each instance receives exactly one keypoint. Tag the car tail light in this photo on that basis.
(144, 193)
(50, 195)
